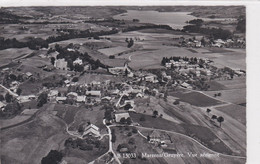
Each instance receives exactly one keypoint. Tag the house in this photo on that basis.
(61, 99)
(119, 116)
(106, 98)
(81, 99)
(91, 130)
(158, 137)
(67, 82)
(151, 78)
(61, 64)
(93, 93)
(28, 74)
(53, 93)
(186, 85)
(77, 62)
(2, 105)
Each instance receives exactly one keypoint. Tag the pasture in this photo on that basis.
(238, 112)
(10, 54)
(199, 133)
(140, 145)
(30, 142)
(236, 96)
(113, 50)
(195, 98)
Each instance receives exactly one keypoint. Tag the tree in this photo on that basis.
(42, 99)
(52, 60)
(220, 119)
(219, 94)
(19, 91)
(155, 113)
(148, 138)
(8, 97)
(75, 79)
(53, 157)
(122, 120)
(208, 111)
(131, 141)
(128, 121)
(214, 117)
(127, 106)
(1, 98)
(176, 102)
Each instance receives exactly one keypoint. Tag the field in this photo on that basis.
(84, 115)
(184, 145)
(9, 54)
(200, 133)
(30, 142)
(236, 83)
(195, 98)
(66, 112)
(238, 112)
(113, 50)
(75, 154)
(215, 86)
(236, 96)
(141, 146)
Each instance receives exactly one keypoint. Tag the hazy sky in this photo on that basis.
(5, 3)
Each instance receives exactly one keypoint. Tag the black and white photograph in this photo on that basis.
(123, 84)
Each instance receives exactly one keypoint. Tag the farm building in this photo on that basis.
(81, 99)
(93, 93)
(61, 99)
(28, 74)
(119, 116)
(157, 137)
(61, 64)
(91, 130)
(77, 61)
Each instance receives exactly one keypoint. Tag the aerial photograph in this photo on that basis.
(123, 85)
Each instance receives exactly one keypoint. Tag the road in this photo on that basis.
(8, 90)
(110, 142)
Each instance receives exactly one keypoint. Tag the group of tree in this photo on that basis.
(42, 99)
(241, 24)
(130, 42)
(127, 121)
(113, 139)
(53, 157)
(220, 119)
(214, 33)
(11, 109)
(32, 43)
(147, 26)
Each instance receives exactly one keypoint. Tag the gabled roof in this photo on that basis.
(118, 116)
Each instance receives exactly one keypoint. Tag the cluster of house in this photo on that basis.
(197, 43)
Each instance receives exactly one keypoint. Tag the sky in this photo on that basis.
(6, 3)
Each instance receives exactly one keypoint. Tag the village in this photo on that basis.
(109, 90)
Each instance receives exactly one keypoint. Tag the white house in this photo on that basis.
(81, 99)
(77, 61)
(93, 93)
(91, 130)
(61, 99)
(119, 116)
(61, 64)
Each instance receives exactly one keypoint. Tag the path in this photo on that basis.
(8, 90)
